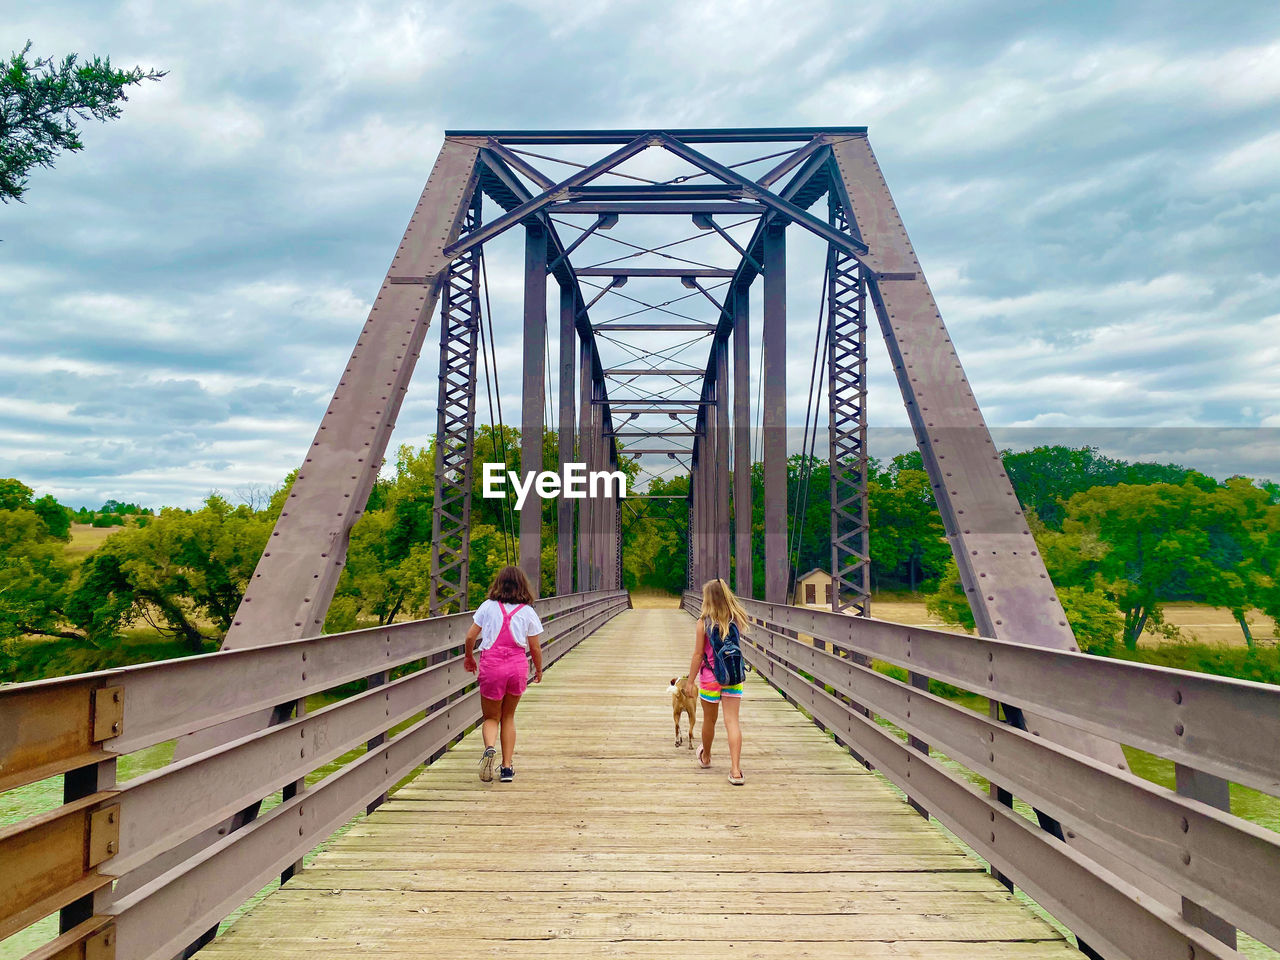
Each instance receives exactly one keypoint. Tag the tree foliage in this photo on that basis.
(41, 101)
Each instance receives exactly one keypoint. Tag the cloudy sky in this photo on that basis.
(1093, 191)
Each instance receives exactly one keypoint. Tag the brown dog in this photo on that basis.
(681, 702)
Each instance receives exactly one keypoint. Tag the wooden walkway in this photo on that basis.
(611, 843)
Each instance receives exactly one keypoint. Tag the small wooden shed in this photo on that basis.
(813, 589)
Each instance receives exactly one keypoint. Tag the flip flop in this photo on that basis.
(738, 780)
(700, 763)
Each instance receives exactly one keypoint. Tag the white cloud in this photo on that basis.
(1095, 212)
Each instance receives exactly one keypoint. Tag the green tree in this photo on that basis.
(179, 571)
(34, 578)
(1046, 477)
(908, 542)
(1156, 545)
(14, 494)
(55, 516)
(1243, 529)
(40, 103)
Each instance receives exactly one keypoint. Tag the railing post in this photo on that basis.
(291, 790)
(1216, 792)
(377, 680)
(919, 682)
(77, 784)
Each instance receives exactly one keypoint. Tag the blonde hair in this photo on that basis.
(721, 606)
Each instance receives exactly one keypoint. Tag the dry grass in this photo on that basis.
(1216, 626)
(85, 539)
(648, 599)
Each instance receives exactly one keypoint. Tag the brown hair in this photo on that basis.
(721, 607)
(511, 586)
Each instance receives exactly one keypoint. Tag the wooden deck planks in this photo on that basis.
(611, 843)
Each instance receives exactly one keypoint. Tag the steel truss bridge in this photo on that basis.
(148, 867)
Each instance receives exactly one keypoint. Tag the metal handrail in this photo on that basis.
(1221, 862)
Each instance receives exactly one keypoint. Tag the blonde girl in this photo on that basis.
(719, 608)
(508, 630)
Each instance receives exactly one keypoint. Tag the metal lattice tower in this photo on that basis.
(847, 398)
(455, 427)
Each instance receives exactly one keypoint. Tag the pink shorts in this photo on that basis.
(501, 675)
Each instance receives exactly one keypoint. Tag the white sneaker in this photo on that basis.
(487, 760)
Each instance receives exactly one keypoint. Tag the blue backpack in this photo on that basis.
(726, 655)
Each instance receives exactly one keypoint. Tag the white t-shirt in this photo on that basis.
(524, 624)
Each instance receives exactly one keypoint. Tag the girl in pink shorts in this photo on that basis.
(508, 631)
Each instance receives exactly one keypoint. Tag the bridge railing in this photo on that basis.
(102, 857)
(1132, 862)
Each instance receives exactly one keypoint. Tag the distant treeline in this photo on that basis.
(1119, 538)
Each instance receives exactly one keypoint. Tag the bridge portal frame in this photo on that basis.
(1003, 576)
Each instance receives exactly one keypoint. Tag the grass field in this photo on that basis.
(85, 539)
(1198, 622)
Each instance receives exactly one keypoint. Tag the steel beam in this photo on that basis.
(655, 371)
(607, 327)
(585, 413)
(661, 402)
(604, 520)
(519, 164)
(674, 208)
(658, 192)
(774, 345)
(722, 460)
(742, 495)
(455, 429)
(533, 395)
(787, 164)
(564, 506)
(847, 430)
(646, 434)
(688, 135)
(710, 272)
